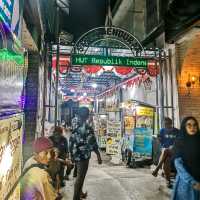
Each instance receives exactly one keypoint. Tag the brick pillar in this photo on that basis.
(31, 102)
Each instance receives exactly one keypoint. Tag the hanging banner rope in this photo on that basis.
(137, 80)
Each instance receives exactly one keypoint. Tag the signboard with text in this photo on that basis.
(113, 146)
(11, 130)
(143, 141)
(114, 129)
(139, 63)
(144, 117)
(102, 141)
(145, 111)
(129, 122)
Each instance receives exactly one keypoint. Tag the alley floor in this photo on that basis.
(108, 182)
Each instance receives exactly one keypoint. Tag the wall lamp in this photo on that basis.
(192, 81)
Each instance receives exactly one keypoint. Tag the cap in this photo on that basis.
(42, 144)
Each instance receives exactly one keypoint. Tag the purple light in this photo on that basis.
(21, 101)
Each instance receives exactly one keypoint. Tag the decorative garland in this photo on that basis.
(78, 98)
(137, 80)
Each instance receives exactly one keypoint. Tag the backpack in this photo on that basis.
(41, 166)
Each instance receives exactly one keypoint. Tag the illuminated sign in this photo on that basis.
(139, 63)
(10, 155)
(145, 111)
(6, 9)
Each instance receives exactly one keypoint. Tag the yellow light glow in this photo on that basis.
(6, 161)
(193, 78)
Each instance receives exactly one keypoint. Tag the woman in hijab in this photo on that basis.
(187, 161)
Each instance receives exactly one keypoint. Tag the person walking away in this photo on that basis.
(187, 161)
(82, 143)
(61, 143)
(167, 138)
(36, 183)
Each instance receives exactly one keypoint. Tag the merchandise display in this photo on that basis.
(138, 129)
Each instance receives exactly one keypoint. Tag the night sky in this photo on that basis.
(85, 15)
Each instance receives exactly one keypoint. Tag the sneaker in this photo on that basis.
(83, 195)
(169, 185)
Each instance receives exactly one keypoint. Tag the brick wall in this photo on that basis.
(190, 103)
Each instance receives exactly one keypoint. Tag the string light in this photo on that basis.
(94, 85)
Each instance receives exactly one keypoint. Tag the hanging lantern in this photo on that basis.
(108, 68)
(123, 71)
(64, 63)
(92, 69)
(153, 68)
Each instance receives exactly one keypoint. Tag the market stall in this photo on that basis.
(120, 69)
(138, 129)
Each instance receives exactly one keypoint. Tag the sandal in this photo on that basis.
(155, 173)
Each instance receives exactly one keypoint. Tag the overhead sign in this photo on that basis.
(98, 36)
(6, 10)
(13, 70)
(139, 63)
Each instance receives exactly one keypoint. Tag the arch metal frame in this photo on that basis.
(102, 33)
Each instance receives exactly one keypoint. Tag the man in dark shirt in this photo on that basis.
(82, 143)
(61, 143)
(168, 134)
(167, 138)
